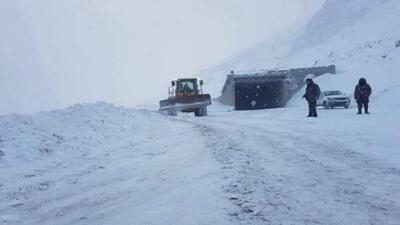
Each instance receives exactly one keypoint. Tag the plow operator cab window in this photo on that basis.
(186, 88)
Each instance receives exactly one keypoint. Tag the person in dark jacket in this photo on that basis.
(361, 94)
(312, 94)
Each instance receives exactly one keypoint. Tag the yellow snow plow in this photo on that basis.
(186, 95)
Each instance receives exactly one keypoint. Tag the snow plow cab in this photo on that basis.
(186, 95)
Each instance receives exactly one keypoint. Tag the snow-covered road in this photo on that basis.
(99, 164)
(296, 170)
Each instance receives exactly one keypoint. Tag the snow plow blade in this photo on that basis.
(185, 103)
(197, 104)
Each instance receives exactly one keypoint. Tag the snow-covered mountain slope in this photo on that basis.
(359, 37)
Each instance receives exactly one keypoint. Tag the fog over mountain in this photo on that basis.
(58, 53)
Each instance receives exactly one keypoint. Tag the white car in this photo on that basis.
(331, 99)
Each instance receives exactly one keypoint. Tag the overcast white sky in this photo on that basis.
(125, 51)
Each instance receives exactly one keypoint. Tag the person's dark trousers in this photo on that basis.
(360, 106)
(312, 109)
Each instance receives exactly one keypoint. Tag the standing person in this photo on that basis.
(311, 95)
(361, 94)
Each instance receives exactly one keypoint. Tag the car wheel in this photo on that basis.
(326, 106)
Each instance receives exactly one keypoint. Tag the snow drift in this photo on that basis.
(101, 164)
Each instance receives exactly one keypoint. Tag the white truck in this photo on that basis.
(331, 99)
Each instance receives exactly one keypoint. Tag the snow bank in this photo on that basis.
(102, 164)
(67, 132)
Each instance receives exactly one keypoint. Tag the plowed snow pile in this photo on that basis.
(100, 164)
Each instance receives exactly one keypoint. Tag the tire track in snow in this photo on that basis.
(286, 178)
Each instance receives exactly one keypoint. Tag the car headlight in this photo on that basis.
(331, 99)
